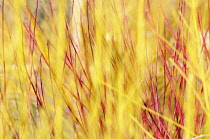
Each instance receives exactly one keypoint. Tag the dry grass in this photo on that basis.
(105, 69)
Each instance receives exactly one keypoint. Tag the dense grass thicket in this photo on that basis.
(105, 69)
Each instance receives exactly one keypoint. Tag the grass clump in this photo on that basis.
(104, 69)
